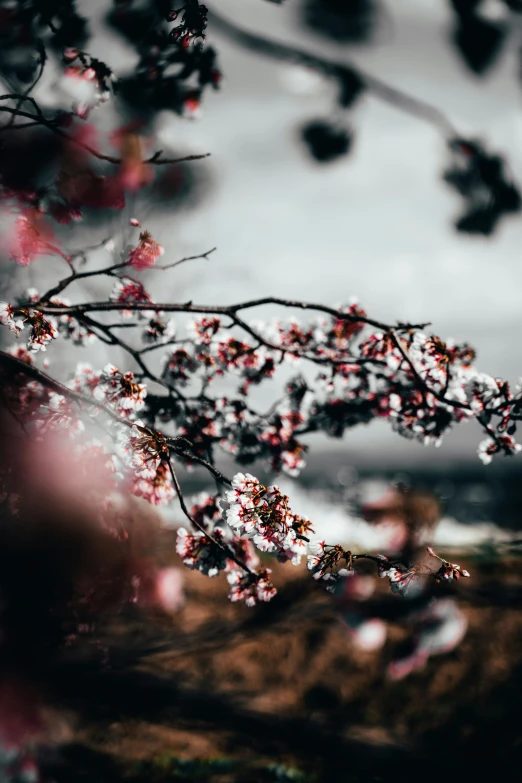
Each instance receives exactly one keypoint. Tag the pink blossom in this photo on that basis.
(251, 588)
(146, 253)
(32, 237)
(157, 489)
(263, 514)
(199, 552)
(131, 292)
(169, 589)
(8, 318)
(120, 389)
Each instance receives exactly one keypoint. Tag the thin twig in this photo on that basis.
(230, 553)
(52, 125)
(187, 258)
(15, 365)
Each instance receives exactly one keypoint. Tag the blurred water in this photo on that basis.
(335, 519)
(480, 506)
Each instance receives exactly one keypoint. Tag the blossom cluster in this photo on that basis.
(200, 551)
(146, 252)
(58, 413)
(147, 449)
(207, 514)
(127, 291)
(263, 515)
(111, 386)
(251, 588)
(121, 390)
(213, 547)
(420, 384)
(41, 330)
(324, 563)
(447, 571)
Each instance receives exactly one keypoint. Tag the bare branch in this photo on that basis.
(54, 126)
(187, 258)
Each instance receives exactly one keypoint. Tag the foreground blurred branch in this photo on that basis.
(338, 71)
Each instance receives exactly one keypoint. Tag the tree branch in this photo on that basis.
(335, 70)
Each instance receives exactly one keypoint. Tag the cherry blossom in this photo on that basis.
(146, 253)
(7, 318)
(204, 330)
(21, 353)
(251, 588)
(159, 331)
(71, 328)
(179, 367)
(448, 571)
(199, 552)
(263, 514)
(85, 379)
(120, 389)
(403, 581)
(324, 563)
(491, 446)
(32, 237)
(131, 292)
(42, 331)
(59, 414)
(157, 488)
(147, 449)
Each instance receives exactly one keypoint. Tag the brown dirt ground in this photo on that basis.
(282, 684)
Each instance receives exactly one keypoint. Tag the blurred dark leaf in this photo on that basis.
(478, 41)
(19, 64)
(182, 186)
(27, 158)
(147, 96)
(482, 220)
(133, 24)
(465, 6)
(508, 198)
(481, 180)
(350, 21)
(326, 142)
(71, 31)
